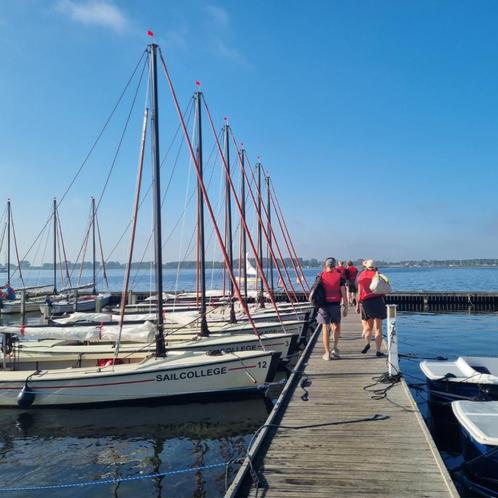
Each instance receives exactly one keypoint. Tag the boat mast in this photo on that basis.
(55, 245)
(268, 212)
(260, 240)
(228, 219)
(243, 241)
(204, 332)
(8, 241)
(156, 187)
(93, 244)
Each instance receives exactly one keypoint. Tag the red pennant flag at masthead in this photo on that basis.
(150, 33)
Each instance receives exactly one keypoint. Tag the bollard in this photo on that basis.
(98, 304)
(23, 307)
(392, 341)
(4, 350)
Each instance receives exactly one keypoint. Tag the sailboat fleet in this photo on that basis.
(172, 346)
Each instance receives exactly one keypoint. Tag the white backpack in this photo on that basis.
(380, 284)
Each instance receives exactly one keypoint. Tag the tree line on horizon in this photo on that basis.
(305, 263)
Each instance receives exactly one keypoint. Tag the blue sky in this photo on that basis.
(377, 120)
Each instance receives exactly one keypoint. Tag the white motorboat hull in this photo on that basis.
(468, 377)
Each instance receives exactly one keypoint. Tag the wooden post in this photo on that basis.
(4, 350)
(23, 307)
(98, 304)
(75, 306)
(392, 341)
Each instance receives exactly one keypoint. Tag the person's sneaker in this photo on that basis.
(326, 357)
(380, 354)
(336, 354)
(365, 349)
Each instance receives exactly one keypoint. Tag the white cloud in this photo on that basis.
(96, 12)
(176, 38)
(218, 15)
(229, 52)
(218, 27)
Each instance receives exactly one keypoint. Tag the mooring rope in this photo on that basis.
(117, 480)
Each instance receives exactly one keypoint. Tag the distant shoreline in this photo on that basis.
(219, 265)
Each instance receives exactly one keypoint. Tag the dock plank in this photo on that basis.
(392, 457)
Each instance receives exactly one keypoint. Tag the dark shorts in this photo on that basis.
(330, 313)
(352, 287)
(374, 307)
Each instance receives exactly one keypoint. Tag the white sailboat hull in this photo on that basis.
(49, 354)
(184, 374)
(84, 304)
(14, 307)
(172, 331)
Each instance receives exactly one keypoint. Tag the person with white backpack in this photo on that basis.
(372, 287)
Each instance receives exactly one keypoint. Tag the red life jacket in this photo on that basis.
(331, 281)
(364, 281)
(342, 269)
(351, 273)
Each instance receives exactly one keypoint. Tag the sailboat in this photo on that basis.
(26, 299)
(164, 375)
(69, 298)
(250, 274)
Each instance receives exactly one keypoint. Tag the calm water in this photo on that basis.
(449, 335)
(61, 446)
(402, 279)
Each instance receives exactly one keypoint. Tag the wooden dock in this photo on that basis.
(415, 301)
(394, 456)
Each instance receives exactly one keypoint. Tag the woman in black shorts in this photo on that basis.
(372, 307)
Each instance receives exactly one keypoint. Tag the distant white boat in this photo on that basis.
(14, 307)
(84, 303)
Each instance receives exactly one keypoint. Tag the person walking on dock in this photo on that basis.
(334, 286)
(351, 274)
(340, 267)
(372, 307)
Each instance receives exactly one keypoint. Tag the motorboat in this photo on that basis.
(478, 422)
(468, 377)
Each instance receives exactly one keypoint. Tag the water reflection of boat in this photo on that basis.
(193, 420)
(444, 428)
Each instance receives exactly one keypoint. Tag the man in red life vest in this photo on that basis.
(334, 286)
(351, 274)
(340, 267)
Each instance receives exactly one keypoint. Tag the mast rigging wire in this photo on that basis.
(16, 248)
(204, 191)
(92, 148)
(264, 232)
(251, 241)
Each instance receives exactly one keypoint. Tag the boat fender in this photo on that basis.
(214, 352)
(26, 397)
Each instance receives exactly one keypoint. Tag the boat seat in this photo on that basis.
(480, 369)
